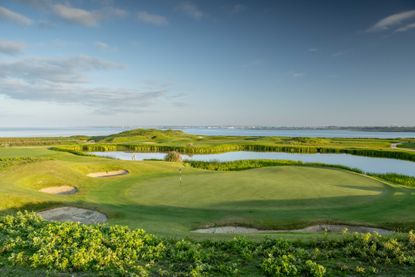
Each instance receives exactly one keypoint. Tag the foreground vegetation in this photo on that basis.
(27, 243)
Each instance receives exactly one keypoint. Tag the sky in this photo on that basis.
(212, 62)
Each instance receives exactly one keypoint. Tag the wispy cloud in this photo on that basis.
(80, 16)
(65, 80)
(104, 46)
(297, 74)
(57, 70)
(8, 15)
(312, 50)
(153, 19)
(11, 47)
(191, 10)
(406, 27)
(85, 17)
(98, 98)
(393, 21)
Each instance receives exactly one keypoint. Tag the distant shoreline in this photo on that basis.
(241, 127)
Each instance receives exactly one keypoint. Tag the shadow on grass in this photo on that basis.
(261, 214)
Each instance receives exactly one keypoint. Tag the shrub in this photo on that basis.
(173, 156)
(280, 266)
(314, 269)
(27, 242)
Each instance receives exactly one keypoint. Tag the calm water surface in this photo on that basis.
(367, 164)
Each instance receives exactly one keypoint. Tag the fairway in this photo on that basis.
(151, 196)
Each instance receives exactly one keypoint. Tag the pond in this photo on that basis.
(367, 164)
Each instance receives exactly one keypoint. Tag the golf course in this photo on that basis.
(259, 200)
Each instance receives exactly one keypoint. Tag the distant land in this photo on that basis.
(240, 127)
(349, 128)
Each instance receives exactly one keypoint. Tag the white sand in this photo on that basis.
(309, 229)
(72, 214)
(59, 190)
(108, 173)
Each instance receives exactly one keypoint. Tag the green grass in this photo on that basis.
(410, 145)
(151, 196)
(262, 194)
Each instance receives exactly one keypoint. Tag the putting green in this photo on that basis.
(272, 188)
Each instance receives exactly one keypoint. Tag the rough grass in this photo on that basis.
(33, 247)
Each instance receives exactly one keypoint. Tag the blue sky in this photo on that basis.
(276, 63)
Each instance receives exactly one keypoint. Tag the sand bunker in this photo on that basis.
(309, 229)
(108, 173)
(61, 190)
(227, 230)
(72, 214)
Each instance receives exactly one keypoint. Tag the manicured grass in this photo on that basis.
(152, 197)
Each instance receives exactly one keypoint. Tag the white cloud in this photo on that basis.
(11, 47)
(65, 81)
(406, 27)
(57, 70)
(84, 17)
(104, 46)
(150, 18)
(80, 16)
(312, 50)
(392, 21)
(111, 12)
(8, 15)
(191, 10)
